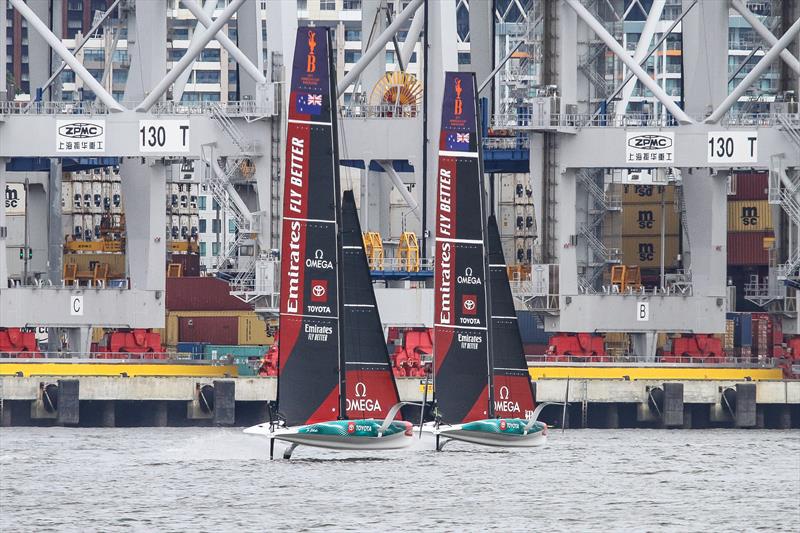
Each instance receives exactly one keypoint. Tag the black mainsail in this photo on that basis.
(463, 376)
(370, 387)
(309, 370)
(513, 395)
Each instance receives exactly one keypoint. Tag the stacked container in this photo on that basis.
(642, 217)
(750, 225)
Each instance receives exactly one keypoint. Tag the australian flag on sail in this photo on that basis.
(457, 141)
(308, 104)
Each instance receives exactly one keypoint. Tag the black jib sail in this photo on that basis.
(513, 396)
(370, 386)
(461, 337)
(309, 378)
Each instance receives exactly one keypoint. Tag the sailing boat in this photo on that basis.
(482, 388)
(335, 385)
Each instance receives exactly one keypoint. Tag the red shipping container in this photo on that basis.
(210, 329)
(190, 264)
(750, 186)
(202, 294)
(747, 248)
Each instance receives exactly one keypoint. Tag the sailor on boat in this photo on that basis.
(335, 384)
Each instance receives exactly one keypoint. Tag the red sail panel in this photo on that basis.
(513, 395)
(370, 389)
(461, 336)
(308, 379)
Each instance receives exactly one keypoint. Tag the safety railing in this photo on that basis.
(80, 283)
(236, 108)
(507, 143)
(666, 360)
(379, 111)
(100, 356)
(400, 264)
(527, 118)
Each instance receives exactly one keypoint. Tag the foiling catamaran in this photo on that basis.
(482, 387)
(335, 384)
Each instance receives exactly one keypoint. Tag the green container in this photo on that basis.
(246, 358)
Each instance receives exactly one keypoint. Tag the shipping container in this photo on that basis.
(190, 264)
(645, 219)
(646, 251)
(196, 349)
(749, 248)
(742, 329)
(202, 294)
(530, 328)
(246, 358)
(253, 331)
(749, 215)
(214, 330)
(749, 186)
(644, 194)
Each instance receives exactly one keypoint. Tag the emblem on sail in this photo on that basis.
(311, 59)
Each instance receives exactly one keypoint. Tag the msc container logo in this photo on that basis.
(749, 216)
(647, 251)
(646, 219)
(650, 142)
(80, 130)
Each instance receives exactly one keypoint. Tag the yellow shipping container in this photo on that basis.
(646, 251)
(645, 219)
(749, 215)
(644, 194)
(253, 331)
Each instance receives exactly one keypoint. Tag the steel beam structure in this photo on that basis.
(192, 52)
(377, 46)
(762, 65)
(640, 54)
(623, 56)
(765, 34)
(57, 46)
(180, 83)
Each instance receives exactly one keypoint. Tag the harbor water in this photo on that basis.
(211, 479)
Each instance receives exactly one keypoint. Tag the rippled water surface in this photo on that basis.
(199, 479)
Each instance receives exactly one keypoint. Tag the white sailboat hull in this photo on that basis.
(426, 439)
(395, 441)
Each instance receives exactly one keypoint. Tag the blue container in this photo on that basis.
(530, 329)
(742, 329)
(194, 348)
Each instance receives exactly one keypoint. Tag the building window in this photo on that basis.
(390, 56)
(120, 56)
(327, 5)
(353, 5)
(203, 224)
(206, 76)
(175, 54)
(210, 97)
(463, 58)
(210, 54)
(202, 248)
(120, 76)
(231, 226)
(201, 202)
(215, 249)
(216, 226)
(190, 97)
(180, 34)
(351, 56)
(352, 35)
(232, 76)
(94, 54)
(214, 205)
(67, 76)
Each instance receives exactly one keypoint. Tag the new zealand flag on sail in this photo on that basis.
(308, 104)
(457, 141)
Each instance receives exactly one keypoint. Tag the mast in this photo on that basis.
(337, 187)
(463, 369)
